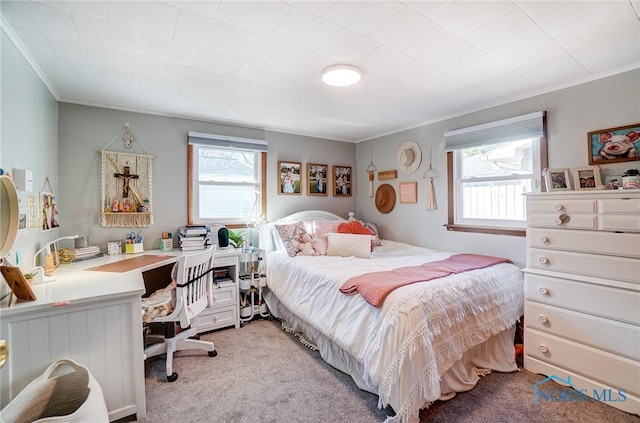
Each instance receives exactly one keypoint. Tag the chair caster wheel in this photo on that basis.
(196, 337)
(213, 353)
(173, 377)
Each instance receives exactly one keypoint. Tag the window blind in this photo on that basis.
(512, 129)
(224, 141)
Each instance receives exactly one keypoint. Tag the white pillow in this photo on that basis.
(349, 245)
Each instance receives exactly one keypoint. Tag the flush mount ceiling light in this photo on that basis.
(341, 75)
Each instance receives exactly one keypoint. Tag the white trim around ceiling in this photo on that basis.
(8, 29)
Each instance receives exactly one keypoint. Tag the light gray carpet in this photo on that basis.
(264, 375)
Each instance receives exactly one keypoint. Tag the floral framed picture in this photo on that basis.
(557, 180)
(588, 177)
(289, 178)
(317, 179)
(342, 184)
(614, 145)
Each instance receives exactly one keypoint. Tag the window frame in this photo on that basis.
(451, 224)
(192, 207)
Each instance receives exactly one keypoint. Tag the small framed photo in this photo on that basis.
(408, 192)
(557, 180)
(342, 181)
(289, 178)
(49, 211)
(317, 179)
(587, 177)
(614, 145)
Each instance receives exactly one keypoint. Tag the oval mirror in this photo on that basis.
(8, 215)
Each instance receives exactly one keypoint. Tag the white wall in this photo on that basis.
(83, 131)
(571, 114)
(29, 121)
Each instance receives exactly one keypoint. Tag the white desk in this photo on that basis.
(93, 317)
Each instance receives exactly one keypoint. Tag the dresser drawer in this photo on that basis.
(214, 318)
(616, 337)
(223, 296)
(585, 241)
(619, 205)
(604, 301)
(563, 220)
(613, 370)
(599, 266)
(562, 206)
(623, 223)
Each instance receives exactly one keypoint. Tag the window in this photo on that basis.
(490, 167)
(225, 179)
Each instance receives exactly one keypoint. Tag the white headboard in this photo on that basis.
(265, 230)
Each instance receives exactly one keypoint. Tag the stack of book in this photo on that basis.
(86, 253)
(192, 237)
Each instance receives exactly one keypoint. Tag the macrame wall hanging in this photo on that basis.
(126, 197)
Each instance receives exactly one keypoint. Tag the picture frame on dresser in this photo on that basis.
(587, 178)
(557, 179)
(614, 145)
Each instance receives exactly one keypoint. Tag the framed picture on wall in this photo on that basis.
(614, 145)
(587, 177)
(557, 180)
(409, 192)
(289, 178)
(342, 184)
(317, 179)
(49, 211)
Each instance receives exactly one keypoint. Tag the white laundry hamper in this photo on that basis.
(59, 395)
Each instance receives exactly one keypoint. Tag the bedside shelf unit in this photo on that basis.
(582, 292)
(222, 310)
(251, 284)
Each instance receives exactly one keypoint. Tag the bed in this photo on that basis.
(426, 341)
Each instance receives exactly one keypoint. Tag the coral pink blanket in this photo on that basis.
(374, 287)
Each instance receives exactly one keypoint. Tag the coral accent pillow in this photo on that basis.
(349, 245)
(353, 227)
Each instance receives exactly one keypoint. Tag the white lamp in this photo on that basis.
(39, 271)
(341, 75)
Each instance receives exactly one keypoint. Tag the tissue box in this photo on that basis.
(134, 248)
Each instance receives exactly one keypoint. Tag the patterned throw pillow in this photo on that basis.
(290, 234)
(376, 233)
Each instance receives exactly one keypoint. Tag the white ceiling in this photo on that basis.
(258, 63)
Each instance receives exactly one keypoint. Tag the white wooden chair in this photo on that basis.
(193, 280)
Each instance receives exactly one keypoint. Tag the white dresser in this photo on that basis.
(582, 292)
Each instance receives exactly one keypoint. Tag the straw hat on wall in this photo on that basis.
(409, 157)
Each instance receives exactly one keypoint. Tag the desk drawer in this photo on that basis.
(605, 301)
(620, 205)
(599, 266)
(585, 241)
(214, 318)
(223, 296)
(616, 337)
(555, 220)
(603, 366)
(623, 223)
(562, 206)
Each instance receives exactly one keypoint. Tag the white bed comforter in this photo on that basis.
(408, 343)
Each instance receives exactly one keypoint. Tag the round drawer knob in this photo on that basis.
(544, 291)
(543, 348)
(544, 239)
(558, 207)
(544, 260)
(543, 318)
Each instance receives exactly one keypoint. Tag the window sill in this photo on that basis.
(487, 230)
